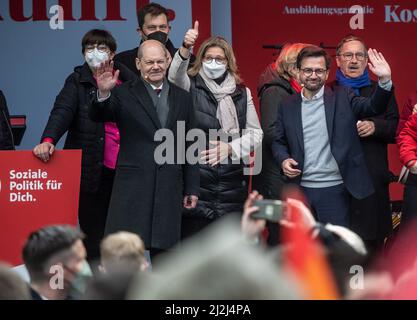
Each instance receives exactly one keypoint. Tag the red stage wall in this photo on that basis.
(391, 29)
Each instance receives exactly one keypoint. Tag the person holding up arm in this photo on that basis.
(223, 104)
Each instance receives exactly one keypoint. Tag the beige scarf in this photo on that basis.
(226, 110)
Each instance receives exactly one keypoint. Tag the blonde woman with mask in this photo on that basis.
(223, 103)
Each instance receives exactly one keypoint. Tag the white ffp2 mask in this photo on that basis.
(95, 58)
(213, 70)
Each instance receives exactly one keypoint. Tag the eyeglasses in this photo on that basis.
(308, 72)
(217, 60)
(360, 56)
(101, 48)
(162, 27)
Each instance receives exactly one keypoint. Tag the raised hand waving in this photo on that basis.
(106, 79)
(379, 66)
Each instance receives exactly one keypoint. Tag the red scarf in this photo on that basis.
(294, 84)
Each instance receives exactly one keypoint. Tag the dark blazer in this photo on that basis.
(371, 217)
(70, 114)
(147, 197)
(6, 135)
(342, 108)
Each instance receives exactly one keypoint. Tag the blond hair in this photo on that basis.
(221, 43)
(288, 58)
(124, 248)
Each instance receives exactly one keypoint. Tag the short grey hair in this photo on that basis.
(349, 38)
(149, 42)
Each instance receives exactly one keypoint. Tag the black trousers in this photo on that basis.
(92, 214)
(191, 226)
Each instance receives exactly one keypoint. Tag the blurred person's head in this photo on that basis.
(153, 22)
(12, 287)
(373, 286)
(113, 285)
(350, 237)
(122, 250)
(55, 258)
(346, 254)
(287, 59)
(342, 248)
(98, 46)
(215, 57)
(400, 255)
(352, 56)
(216, 264)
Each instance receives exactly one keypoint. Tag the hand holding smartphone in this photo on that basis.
(270, 210)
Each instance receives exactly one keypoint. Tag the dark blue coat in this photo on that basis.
(147, 197)
(343, 109)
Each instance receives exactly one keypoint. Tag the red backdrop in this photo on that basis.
(255, 23)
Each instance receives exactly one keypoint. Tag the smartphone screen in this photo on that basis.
(271, 210)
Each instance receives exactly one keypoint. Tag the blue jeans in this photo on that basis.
(329, 205)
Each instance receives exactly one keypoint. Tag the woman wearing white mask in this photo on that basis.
(222, 103)
(99, 142)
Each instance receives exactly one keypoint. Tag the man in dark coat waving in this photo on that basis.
(148, 196)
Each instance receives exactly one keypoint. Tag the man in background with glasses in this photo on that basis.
(317, 144)
(370, 217)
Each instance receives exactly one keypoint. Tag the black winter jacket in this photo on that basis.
(272, 90)
(223, 188)
(70, 114)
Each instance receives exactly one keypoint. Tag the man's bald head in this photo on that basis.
(150, 45)
(152, 62)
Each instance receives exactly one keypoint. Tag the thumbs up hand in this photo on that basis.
(191, 37)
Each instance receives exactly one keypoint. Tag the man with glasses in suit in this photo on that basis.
(317, 145)
(370, 217)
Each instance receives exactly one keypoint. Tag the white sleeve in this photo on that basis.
(178, 72)
(251, 136)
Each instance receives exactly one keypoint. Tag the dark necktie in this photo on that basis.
(161, 109)
(157, 91)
